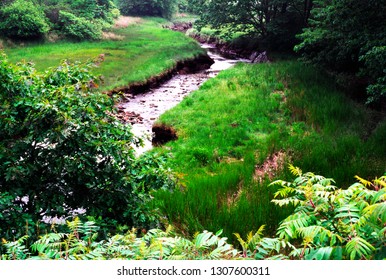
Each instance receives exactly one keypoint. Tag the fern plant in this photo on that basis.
(80, 242)
(327, 223)
(332, 223)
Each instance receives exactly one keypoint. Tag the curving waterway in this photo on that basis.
(148, 106)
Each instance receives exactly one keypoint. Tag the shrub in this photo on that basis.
(79, 28)
(79, 242)
(327, 223)
(332, 223)
(23, 20)
(61, 148)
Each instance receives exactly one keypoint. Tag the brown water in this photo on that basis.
(151, 104)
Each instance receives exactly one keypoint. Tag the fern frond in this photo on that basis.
(379, 196)
(285, 191)
(286, 201)
(378, 211)
(323, 253)
(349, 213)
(75, 224)
(363, 181)
(288, 229)
(381, 182)
(358, 248)
(242, 242)
(296, 171)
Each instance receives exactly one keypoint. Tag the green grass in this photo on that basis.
(144, 50)
(237, 120)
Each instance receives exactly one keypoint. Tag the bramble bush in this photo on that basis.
(62, 148)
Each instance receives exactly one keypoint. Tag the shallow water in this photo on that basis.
(153, 103)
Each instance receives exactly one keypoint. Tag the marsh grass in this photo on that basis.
(137, 52)
(237, 120)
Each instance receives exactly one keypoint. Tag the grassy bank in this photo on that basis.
(133, 51)
(241, 129)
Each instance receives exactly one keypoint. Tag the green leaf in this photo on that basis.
(323, 253)
(358, 248)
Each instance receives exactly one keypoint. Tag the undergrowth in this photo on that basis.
(230, 129)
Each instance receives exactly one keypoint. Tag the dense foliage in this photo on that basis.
(61, 149)
(345, 37)
(163, 8)
(333, 223)
(22, 19)
(79, 242)
(327, 223)
(79, 28)
(275, 22)
(348, 36)
(80, 19)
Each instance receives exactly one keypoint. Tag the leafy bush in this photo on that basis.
(79, 28)
(332, 223)
(61, 148)
(22, 19)
(375, 67)
(79, 242)
(327, 223)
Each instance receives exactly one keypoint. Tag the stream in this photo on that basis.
(145, 108)
(148, 106)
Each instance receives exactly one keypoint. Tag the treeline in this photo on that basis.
(165, 8)
(73, 19)
(346, 37)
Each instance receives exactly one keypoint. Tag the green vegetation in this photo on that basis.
(274, 23)
(354, 42)
(243, 119)
(165, 8)
(346, 38)
(22, 19)
(333, 223)
(80, 19)
(132, 54)
(328, 223)
(61, 149)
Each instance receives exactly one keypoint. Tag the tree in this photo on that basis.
(348, 36)
(274, 21)
(61, 148)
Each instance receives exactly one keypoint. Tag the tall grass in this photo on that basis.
(142, 50)
(236, 121)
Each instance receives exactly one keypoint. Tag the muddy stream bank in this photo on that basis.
(142, 110)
